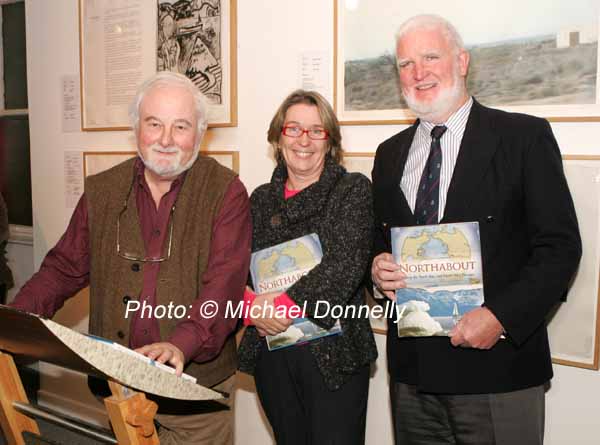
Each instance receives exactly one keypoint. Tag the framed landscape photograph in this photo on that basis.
(573, 328)
(123, 42)
(97, 161)
(545, 63)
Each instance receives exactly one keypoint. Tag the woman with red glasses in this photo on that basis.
(314, 391)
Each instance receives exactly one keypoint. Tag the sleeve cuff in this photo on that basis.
(185, 344)
(292, 310)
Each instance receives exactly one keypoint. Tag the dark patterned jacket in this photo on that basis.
(338, 208)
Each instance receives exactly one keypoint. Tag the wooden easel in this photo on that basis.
(13, 423)
(131, 414)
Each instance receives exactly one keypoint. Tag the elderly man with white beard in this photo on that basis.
(166, 227)
(464, 162)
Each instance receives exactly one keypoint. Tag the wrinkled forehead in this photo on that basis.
(424, 37)
(168, 98)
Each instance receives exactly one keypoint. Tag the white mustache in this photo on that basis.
(160, 148)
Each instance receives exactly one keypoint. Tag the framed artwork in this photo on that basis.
(198, 39)
(123, 42)
(98, 161)
(378, 323)
(360, 162)
(573, 328)
(542, 64)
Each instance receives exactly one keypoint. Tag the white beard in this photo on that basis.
(443, 104)
(160, 166)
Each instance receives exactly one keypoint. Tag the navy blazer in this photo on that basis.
(508, 177)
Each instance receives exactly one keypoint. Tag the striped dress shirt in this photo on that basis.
(419, 151)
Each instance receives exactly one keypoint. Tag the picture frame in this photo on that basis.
(119, 46)
(362, 162)
(359, 162)
(95, 162)
(573, 327)
(379, 324)
(545, 65)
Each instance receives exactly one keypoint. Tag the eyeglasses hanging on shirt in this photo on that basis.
(135, 257)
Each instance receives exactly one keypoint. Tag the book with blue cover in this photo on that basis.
(442, 263)
(275, 269)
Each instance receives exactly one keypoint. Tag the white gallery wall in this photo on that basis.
(271, 36)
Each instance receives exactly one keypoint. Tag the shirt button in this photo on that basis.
(156, 232)
(135, 267)
(126, 299)
(275, 220)
(145, 332)
(489, 219)
(121, 334)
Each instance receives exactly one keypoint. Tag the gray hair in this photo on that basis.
(169, 78)
(430, 22)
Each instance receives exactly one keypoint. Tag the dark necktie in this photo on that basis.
(428, 195)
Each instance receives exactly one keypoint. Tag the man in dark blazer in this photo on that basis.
(484, 384)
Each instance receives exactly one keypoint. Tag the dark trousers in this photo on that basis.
(512, 418)
(3, 291)
(301, 409)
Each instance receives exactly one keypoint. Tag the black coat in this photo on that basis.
(338, 208)
(508, 177)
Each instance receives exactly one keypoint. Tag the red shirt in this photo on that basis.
(66, 268)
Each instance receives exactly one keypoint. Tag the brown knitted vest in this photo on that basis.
(113, 279)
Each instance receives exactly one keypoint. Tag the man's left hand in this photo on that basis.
(478, 329)
(164, 352)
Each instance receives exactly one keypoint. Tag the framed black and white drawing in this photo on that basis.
(123, 42)
(198, 38)
(545, 64)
